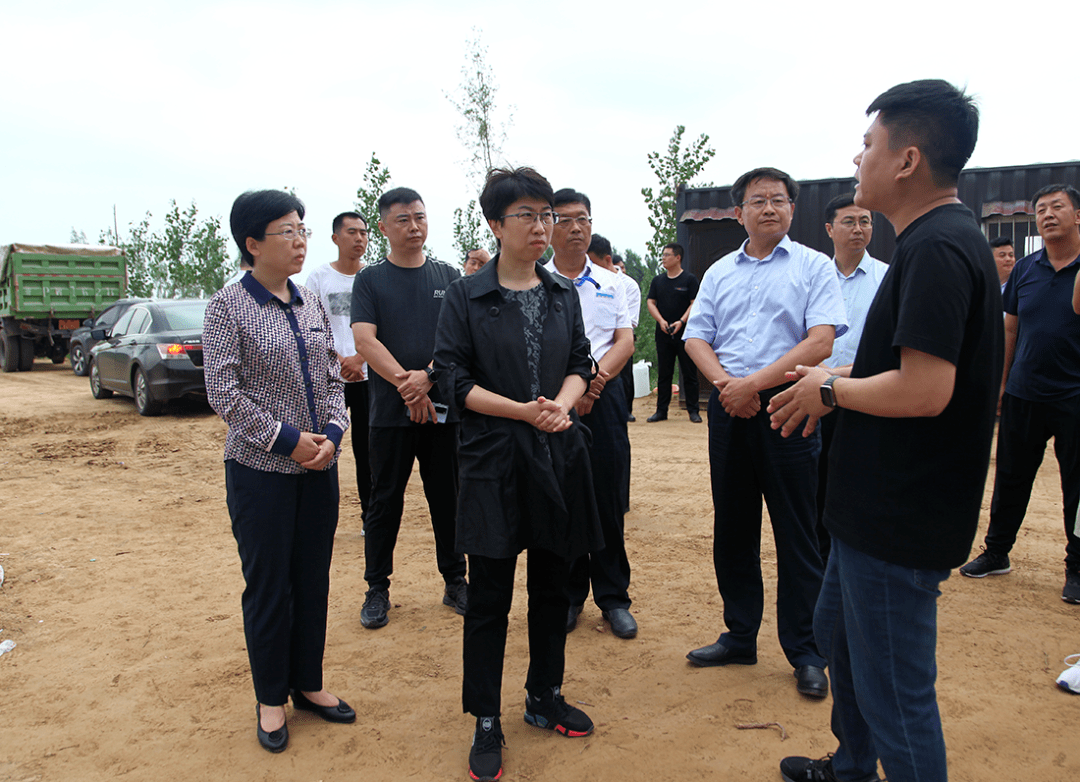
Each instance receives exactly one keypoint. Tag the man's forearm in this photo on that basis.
(815, 348)
(701, 353)
(617, 356)
(922, 387)
(378, 357)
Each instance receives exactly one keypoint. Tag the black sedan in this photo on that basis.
(81, 341)
(153, 353)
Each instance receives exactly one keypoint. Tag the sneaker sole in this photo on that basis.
(1000, 572)
(1071, 600)
(484, 779)
(540, 722)
(375, 624)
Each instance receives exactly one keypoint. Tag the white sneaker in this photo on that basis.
(1070, 677)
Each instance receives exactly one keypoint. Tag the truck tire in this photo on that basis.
(10, 351)
(26, 355)
(78, 359)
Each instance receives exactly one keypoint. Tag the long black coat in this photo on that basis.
(512, 496)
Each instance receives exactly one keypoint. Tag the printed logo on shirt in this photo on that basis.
(440, 293)
(601, 295)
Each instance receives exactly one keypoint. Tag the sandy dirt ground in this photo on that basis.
(123, 587)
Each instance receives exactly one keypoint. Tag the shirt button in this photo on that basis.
(750, 340)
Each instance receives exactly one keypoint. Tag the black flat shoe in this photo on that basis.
(275, 740)
(343, 712)
(622, 622)
(719, 654)
(811, 681)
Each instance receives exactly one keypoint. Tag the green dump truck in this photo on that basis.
(46, 291)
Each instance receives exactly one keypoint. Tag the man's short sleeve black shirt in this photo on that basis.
(673, 296)
(404, 304)
(909, 490)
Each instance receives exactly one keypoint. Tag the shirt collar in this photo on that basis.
(487, 279)
(263, 296)
(859, 267)
(785, 245)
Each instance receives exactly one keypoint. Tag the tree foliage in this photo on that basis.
(187, 259)
(481, 135)
(376, 178)
(677, 166)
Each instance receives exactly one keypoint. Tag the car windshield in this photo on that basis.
(184, 315)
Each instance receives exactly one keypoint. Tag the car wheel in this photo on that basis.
(9, 353)
(144, 399)
(78, 359)
(99, 391)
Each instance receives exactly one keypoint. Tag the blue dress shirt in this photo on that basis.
(858, 291)
(754, 311)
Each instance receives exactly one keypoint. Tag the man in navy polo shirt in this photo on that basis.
(1040, 387)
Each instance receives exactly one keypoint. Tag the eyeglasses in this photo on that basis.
(528, 218)
(778, 202)
(565, 220)
(290, 233)
(850, 222)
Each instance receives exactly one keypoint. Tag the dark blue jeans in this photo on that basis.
(748, 460)
(876, 624)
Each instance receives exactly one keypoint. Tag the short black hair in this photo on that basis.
(675, 247)
(1068, 190)
(254, 210)
(399, 195)
(617, 259)
(504, 186)
(1001, 241)
(600, 246)
(570, 196)
(738, 190)
(933, 115)
(842, 201)
(341, 218)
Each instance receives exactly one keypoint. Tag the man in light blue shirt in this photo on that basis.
(759, 312)
(850, 227)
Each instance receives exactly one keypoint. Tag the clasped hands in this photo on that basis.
(800, 402)
(547, 415)
(738, 396)
(313, 451)
(414, 392)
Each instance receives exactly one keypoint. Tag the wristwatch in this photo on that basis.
(828, 394)
(432, 375)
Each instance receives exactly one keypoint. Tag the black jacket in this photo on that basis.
(512, 496)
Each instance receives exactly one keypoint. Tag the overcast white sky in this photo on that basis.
(137, 103)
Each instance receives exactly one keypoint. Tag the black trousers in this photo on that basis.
(608, 569)
(356, 399)
(748, 460)
(284, 528)
(491, 592)
(827, 427)
(667, 350)
(393, 450)
(1023, 433)
(627, 375)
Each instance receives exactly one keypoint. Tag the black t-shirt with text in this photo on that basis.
(909, 490)
(673, 296)
(404, 305)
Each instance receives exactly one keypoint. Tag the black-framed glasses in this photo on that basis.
(292, 233)
(528, 218)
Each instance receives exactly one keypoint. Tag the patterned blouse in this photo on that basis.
(271, 373)
(533, 303)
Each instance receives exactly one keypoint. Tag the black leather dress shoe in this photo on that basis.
(652, 419)
(622, 622)
(631, 418)
(695, 417)
(275, 740)
(811, 681)
(343, 712)
(719, 654)
(571, 617)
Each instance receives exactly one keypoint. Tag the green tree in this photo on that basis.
(644, 344)
(677, 166)
(481, 135)
(77, 237)
(189, 258)
(376, 178)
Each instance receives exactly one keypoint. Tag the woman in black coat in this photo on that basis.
(512, 355)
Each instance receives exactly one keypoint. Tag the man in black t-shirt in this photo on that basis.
(395, 311)
(913, 437)
(669, 300)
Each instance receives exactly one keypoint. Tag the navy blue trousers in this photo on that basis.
(284, 528)
(748, 460)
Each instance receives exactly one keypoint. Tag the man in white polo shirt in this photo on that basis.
(602, 409)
